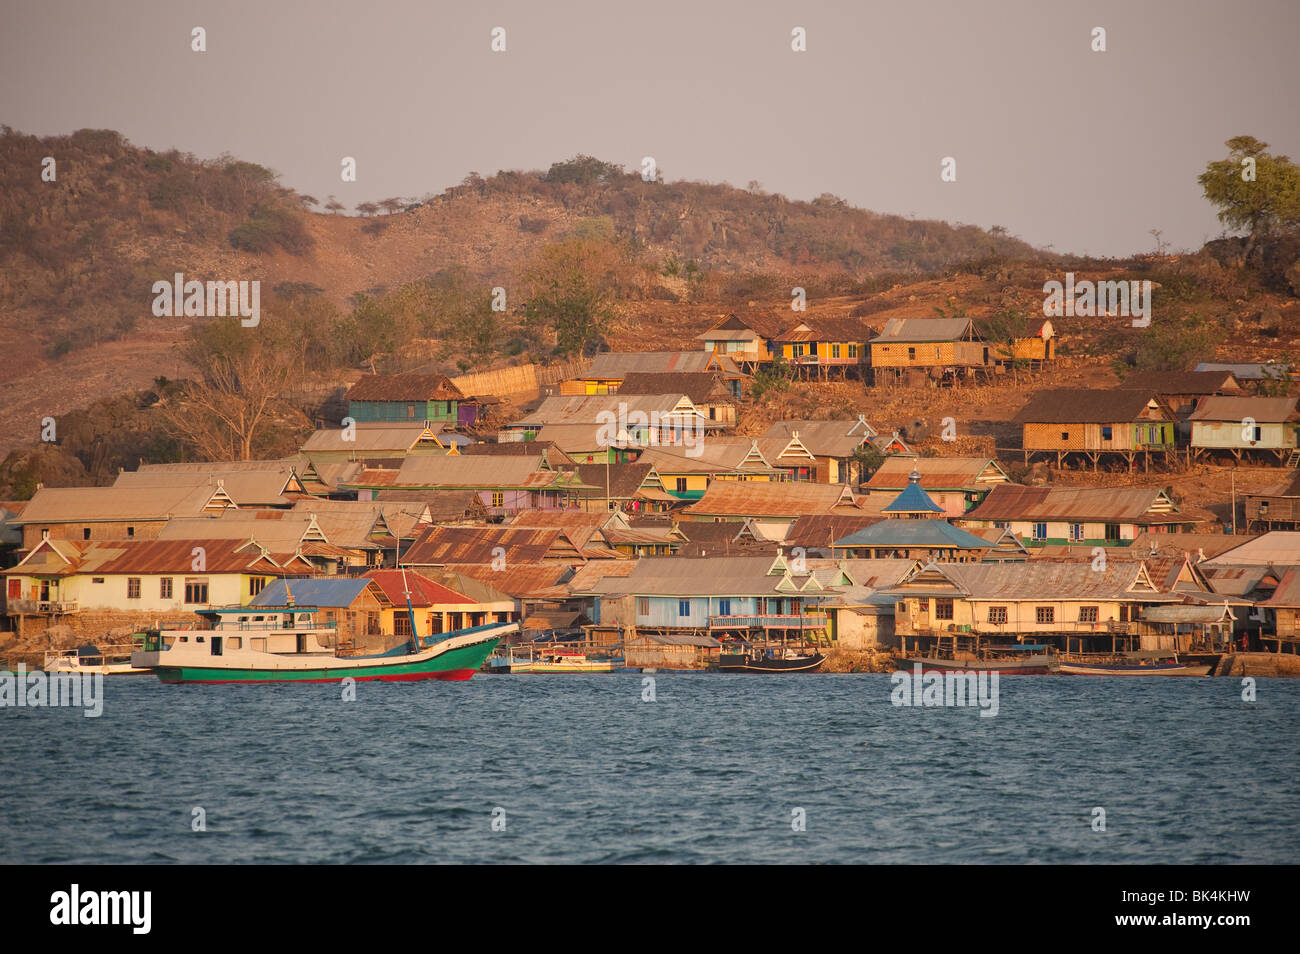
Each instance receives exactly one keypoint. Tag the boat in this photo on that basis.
(109, 661)
(285, 644)
(771, 659)
(549, 661)
(1012, 660)
(1137, 663)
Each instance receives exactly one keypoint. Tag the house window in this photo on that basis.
(1040, 531)
(1076, 531)
(15, 589)
(1259, 432)
(642, 606)
(196, 590)
(835, 351)
(1087, 614)
(998, 615)
(96, 579)
(410, 411)
(853, 351)
(130, 533)
(1065, 435)
(1106, 433)
(133, 587)
(498, 498)
(165, 588)
(943, 609)
(683, 607)
(85, 533)
(911, 354)
(256, 584)
(401, 624)
(724, 607)
(681, 485)
(1045, 614)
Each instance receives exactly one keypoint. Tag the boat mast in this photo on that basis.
(410, 613)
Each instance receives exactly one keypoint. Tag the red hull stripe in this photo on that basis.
(451, 675)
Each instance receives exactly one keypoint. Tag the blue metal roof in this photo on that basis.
(913, 533)
(913, 499)
(339, 592)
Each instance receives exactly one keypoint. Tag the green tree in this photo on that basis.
(571, 289)
(1267, 203)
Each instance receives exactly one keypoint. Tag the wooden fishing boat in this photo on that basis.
(549, 661)
(1010, 660)
(284, 644)
(109, 661)
(772, 659)
(1139, 663)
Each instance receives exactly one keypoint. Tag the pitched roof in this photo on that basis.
(437, 470)
(914, 533)
(1269, 410)
(1275, 548)
(765, 325)
(612, 365)
(757, 498)
(110, 557)
(404, 387)
(332, 592)
(624, 480)
(1030, 581)
(1146, 506)
(843, 329)
(593, 408)
(704, 388)
(438, 546)
(825, 438)
(424, 591)
(1183, 382)
(1090, 406)
(819, 530)
(373, 439)
(912, 499)
(924, 329)
(522, 581)
(939, 473)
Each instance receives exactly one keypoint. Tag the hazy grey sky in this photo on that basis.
(1066, 147)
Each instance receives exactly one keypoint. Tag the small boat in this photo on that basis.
(110, 661)
(1140, 663)
(284, 644)
(1011, 660)
(770, 659)
(550, 661)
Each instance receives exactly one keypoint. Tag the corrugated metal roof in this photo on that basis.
(1040, 580)
(615, 365)
(1275, 548)
(1270, 410)
(1007, 502)
(404, 387)
(913, 533)
(424, 591)
(1092, 406)
(824, 438)
(758, 498)
(335, 592)
(923, 329)
(1183, 383)
(939, 473)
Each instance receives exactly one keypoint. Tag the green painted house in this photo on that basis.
(406, 397)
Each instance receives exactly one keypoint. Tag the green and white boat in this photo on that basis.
(285, 644)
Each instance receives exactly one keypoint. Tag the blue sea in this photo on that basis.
(718, 768)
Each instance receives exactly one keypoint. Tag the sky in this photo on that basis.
(1065, 147)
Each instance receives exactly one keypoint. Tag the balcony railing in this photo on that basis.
(771, 621)
(43, 606)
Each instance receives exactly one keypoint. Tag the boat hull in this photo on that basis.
(455, 662)
(1029, 666)
(742, 663)
(1101, 669)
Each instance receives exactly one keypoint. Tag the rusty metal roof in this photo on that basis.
(759, 498)
(1269, 410)
(404, 387)
(1092, 406)
(939, 473)
(1007, 502)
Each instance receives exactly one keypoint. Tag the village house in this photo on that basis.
(381, 440)
(832, 444)
(349, 605)
(746, 340)
(1274, 508)
(140, 503)
(634, 488)
(771, 506)
(940, 347)
(504, 485)
(1036, 347)
(1095, 516)
(955, 484)
(818, 347)
(915, 528)
(687, 476)
(104, 583)
(423, 398)
(609, 368)
(970, 603)
(1183, 391)
(708, 392)
(1245, 426)
(617, 421)
(438, 606)
(1090, 424)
